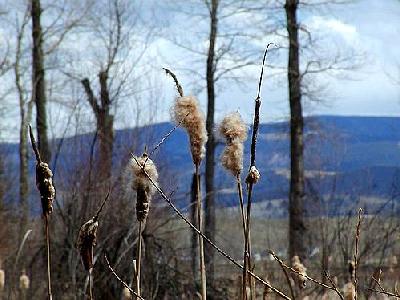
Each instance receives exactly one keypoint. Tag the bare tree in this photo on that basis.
(297, 227)
(25, 108)
(38, 80)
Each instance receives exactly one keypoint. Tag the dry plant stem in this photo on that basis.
(91, 283)
(304, 275)
(205, 238)
(382, 290)
(244, 276)
(120, 280)
(178, 86)
(47, 235)
(201, 243)
(287, 279)
(138, 259)
(357, 241)
(334, 285)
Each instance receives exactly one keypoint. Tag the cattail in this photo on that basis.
(253, 176)
(301, 277)
(2, 280)
(142, 185)
(24, 281)
(349, 291)
(234, 130)
(187, 111)
(86, 242)
(44, 183)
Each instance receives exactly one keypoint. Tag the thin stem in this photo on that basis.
(139, 258)
(120, 280)
(201, 243)
(356, 250)
(244, 276)
(178, 86)
(91, 282)
(46, 225)
(205, 238)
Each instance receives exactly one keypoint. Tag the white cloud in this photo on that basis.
(334, 26)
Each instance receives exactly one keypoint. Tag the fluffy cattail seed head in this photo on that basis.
(86, 242)
(44, 183)
(233, 128)
(301, 278)
(142, 184)
(187, 111)
(24, 281)
(234, 131)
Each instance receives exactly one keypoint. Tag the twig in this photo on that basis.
(178, 86)
(96, 216)
(333, 285)
(356, 250)
(287, 277)
(193, 227)
(120, 280)
(298, 273)
(34, 145)
(165, 137)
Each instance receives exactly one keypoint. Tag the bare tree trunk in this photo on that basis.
(297, 227)
(38, 81)
(210, 147)
(105, 124)
(25, 117)
(193, 216)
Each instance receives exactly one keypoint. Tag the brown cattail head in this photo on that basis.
(140, 168)
(2, 280)
(44, 183)
(187, 111)
(86, 242)
(24, 281)
(301, 277)
(234, 131)
(253, 176)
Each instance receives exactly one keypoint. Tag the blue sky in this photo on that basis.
(368, 27)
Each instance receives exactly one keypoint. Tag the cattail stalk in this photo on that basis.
(140, 166)
(44, 183)
(187, 113)
(201, 243)
(139, 259)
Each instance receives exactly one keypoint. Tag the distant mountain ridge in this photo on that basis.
(351, 158)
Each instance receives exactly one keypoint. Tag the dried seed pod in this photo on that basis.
(301, 278)
(44, 183)
(253, 176)
(352, 269)
(142, 184)
(187, 111)
(24, 281)
(86, 242)
(234, 130)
